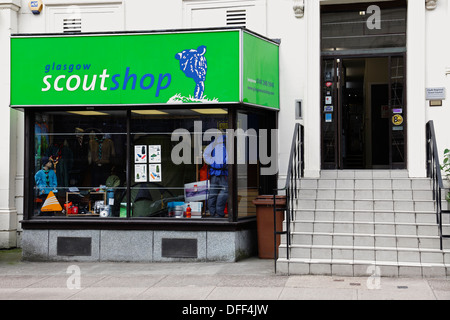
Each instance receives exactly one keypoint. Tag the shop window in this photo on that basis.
(149, 163)
(247, 163)
(254, 141)
(79, 163)
(169, 170)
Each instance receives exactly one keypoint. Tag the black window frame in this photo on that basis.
(232, 223)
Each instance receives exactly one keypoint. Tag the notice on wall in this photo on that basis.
(155, 172)
(385, 112)
(140, 173)
(140, 154)
(435, 93)
(154, 153)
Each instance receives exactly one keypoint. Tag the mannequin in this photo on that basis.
(45, 178)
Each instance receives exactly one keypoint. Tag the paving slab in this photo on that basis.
(245, 293)
(249, 279)
(320, 293)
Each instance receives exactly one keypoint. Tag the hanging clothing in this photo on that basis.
(216, 157)
(62, 158)
(102, 150)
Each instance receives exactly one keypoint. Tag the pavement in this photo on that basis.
(252, 280)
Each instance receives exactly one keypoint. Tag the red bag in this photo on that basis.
(204, 172)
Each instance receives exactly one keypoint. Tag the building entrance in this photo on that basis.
(364, 115)
(363, 105)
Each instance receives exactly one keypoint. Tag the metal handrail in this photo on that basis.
(295, 172)
(434, 172)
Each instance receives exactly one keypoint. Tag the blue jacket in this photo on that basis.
(216, 157)
(43, 185)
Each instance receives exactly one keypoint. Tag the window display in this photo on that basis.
(167, 175)
(147, 163)
(81, 158)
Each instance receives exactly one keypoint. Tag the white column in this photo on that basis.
(8, 127)
(416, 89)
(312, 102)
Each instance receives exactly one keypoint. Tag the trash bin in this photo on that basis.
(264, 224)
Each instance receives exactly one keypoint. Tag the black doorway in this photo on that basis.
(380, 125)
(361, 98)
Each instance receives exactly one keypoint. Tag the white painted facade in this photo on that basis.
(428, 65)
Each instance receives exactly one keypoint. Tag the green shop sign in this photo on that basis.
(223, 66)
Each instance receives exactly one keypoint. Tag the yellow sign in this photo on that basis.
(397, 120)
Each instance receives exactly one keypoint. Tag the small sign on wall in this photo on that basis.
(35, 6)
(435, 94)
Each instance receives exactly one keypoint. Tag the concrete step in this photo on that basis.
(369, 227)
(366, 204)
(367, 253)
(365, 239)
(366, 184)
(364, 174)
(369, 215)
(362, 268)
(346, 222)
(364, 194)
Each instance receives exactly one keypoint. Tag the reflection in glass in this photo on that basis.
(79, 163)
(169, 172)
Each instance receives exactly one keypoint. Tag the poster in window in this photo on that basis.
(140, 173)
(154, 153)
(385, 112)
(155, 172)
(140, 154)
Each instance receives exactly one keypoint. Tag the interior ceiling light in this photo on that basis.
(210, 111)
(89, 113)
(149, 112)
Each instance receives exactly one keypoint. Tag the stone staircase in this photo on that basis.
(361, 222)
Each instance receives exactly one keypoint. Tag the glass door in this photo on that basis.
(329, 114)
(363, 112)
(397, 107)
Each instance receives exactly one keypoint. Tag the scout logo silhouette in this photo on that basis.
(193, 64)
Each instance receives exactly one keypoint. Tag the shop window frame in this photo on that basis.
(130, 222)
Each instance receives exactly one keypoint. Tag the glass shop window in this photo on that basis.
(256, 158)
(79, 163)
(175, 163)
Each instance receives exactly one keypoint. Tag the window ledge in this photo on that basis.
(138, 224)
